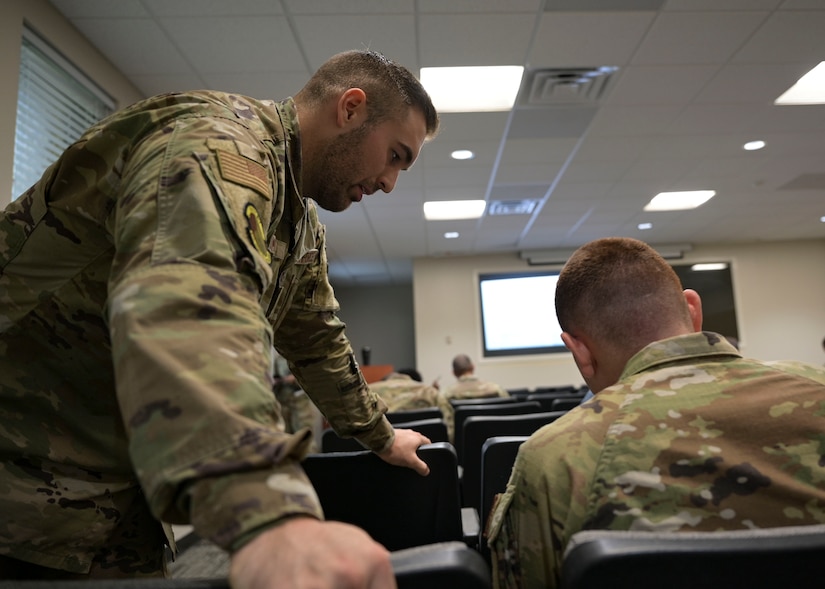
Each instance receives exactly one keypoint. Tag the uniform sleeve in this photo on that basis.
(313, 338)
(191, 346)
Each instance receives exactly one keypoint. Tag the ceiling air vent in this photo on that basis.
(565, 86)
(511, 207)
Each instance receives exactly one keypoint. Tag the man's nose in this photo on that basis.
(388, 180)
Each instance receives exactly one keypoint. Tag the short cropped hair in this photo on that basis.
(391, 89)
(462, 364)
(621, 292)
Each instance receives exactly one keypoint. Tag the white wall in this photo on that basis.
(50, 24)
(779, 289)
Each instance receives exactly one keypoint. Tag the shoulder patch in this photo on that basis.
(255, 231)
(244, 171)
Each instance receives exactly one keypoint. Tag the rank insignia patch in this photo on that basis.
(255, 231)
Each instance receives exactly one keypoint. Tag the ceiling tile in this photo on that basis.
(258, 44)
(439, 45)
(587, 39)
(391, 35)
(696, 38)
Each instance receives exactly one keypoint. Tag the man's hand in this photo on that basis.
(304, 553)
(403, 451)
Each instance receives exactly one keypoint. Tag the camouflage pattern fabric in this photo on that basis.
(400, 392)
(297, 410)
(692, 438)
(144, 281)
(470, 386)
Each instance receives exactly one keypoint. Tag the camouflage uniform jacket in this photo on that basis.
(401, 392)
(693, 437)
(144, 281)
(470, 386)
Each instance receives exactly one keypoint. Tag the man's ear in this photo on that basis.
(694, 303)
(352, 108)
(582, 355)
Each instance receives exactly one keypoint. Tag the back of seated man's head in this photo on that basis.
(462, 365)
(621, 293)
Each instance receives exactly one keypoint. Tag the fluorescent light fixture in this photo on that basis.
(644, 226)
(710, 266)
(472, 89)
(679, 201)
(446, 210)
(462, 154)
(753, 145)
(451, 235)
(822, 219)
(809, 89)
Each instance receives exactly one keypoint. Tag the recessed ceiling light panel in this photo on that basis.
(447, 210)
(709, 266)
(679, 201)
(472, 89)
(809, 89)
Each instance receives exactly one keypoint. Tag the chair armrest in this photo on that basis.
(470, 526)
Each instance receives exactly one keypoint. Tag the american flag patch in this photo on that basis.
(244, 171)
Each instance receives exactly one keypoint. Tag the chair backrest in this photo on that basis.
(482, 401)
(520, 393)
(435, 428)
(756, 559)
(414, 414)
(498, 454)
(398, 507)
(566, 389)
(546, 399)
(565, 404)
(497, 457)
(332, 442)
(462, 412)
(447, 565)
(477, 430)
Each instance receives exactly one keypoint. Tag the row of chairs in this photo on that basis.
(446, 565)
(594, 559)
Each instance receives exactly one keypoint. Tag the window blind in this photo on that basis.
(55, 104)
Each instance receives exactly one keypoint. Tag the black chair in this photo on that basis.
(332, 442)
(497, 457)
(756, 559)
(546, 399)
(477, 430)
(567, 389)
(520, 393)
(396, 506)
(414, 414)
(565, 404)
(482, 401)
(448, 565)
(462, 412)
(435, 429)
